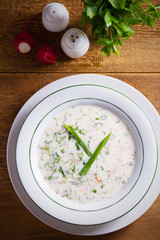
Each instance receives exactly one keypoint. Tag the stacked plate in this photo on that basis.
(103, 217)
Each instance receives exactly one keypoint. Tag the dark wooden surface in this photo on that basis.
(138, 54)
(21, 76)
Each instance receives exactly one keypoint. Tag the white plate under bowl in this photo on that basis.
(136, 111)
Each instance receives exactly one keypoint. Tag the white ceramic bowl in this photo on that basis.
(137, 112)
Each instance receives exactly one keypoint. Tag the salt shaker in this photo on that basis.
(75, 43)
(55, 17)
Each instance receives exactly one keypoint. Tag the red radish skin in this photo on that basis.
(47, 55)
(24, 42)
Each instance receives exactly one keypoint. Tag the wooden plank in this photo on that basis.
(22, 225)
(141, 53)
(16, 222)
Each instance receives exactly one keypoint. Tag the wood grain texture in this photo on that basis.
(16, 222)
(141, 53)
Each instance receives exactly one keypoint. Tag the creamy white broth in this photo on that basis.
(60, 161)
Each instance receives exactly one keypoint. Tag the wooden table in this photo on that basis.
(21, 76)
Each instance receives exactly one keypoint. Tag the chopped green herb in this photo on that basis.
(61, 171)
(55, 157)
(94, 190)
(59, 137)
(73, 169)
(78, 147)
(65, 195)
(69, 136)
(80, 155)
(80, 131)
(50, 177)
(46, 148)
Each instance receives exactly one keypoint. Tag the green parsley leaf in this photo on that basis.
(107, 18)
(118, 3)
(112, 20)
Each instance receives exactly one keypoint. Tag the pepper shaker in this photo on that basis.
(55, 17)
(75, 43)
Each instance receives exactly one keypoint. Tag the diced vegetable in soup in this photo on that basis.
(62, 156)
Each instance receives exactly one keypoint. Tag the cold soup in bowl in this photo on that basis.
(61, 158)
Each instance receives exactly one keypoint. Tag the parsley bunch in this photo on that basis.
(111, 20)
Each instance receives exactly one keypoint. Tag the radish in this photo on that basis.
(24, 42)
(46, 55)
